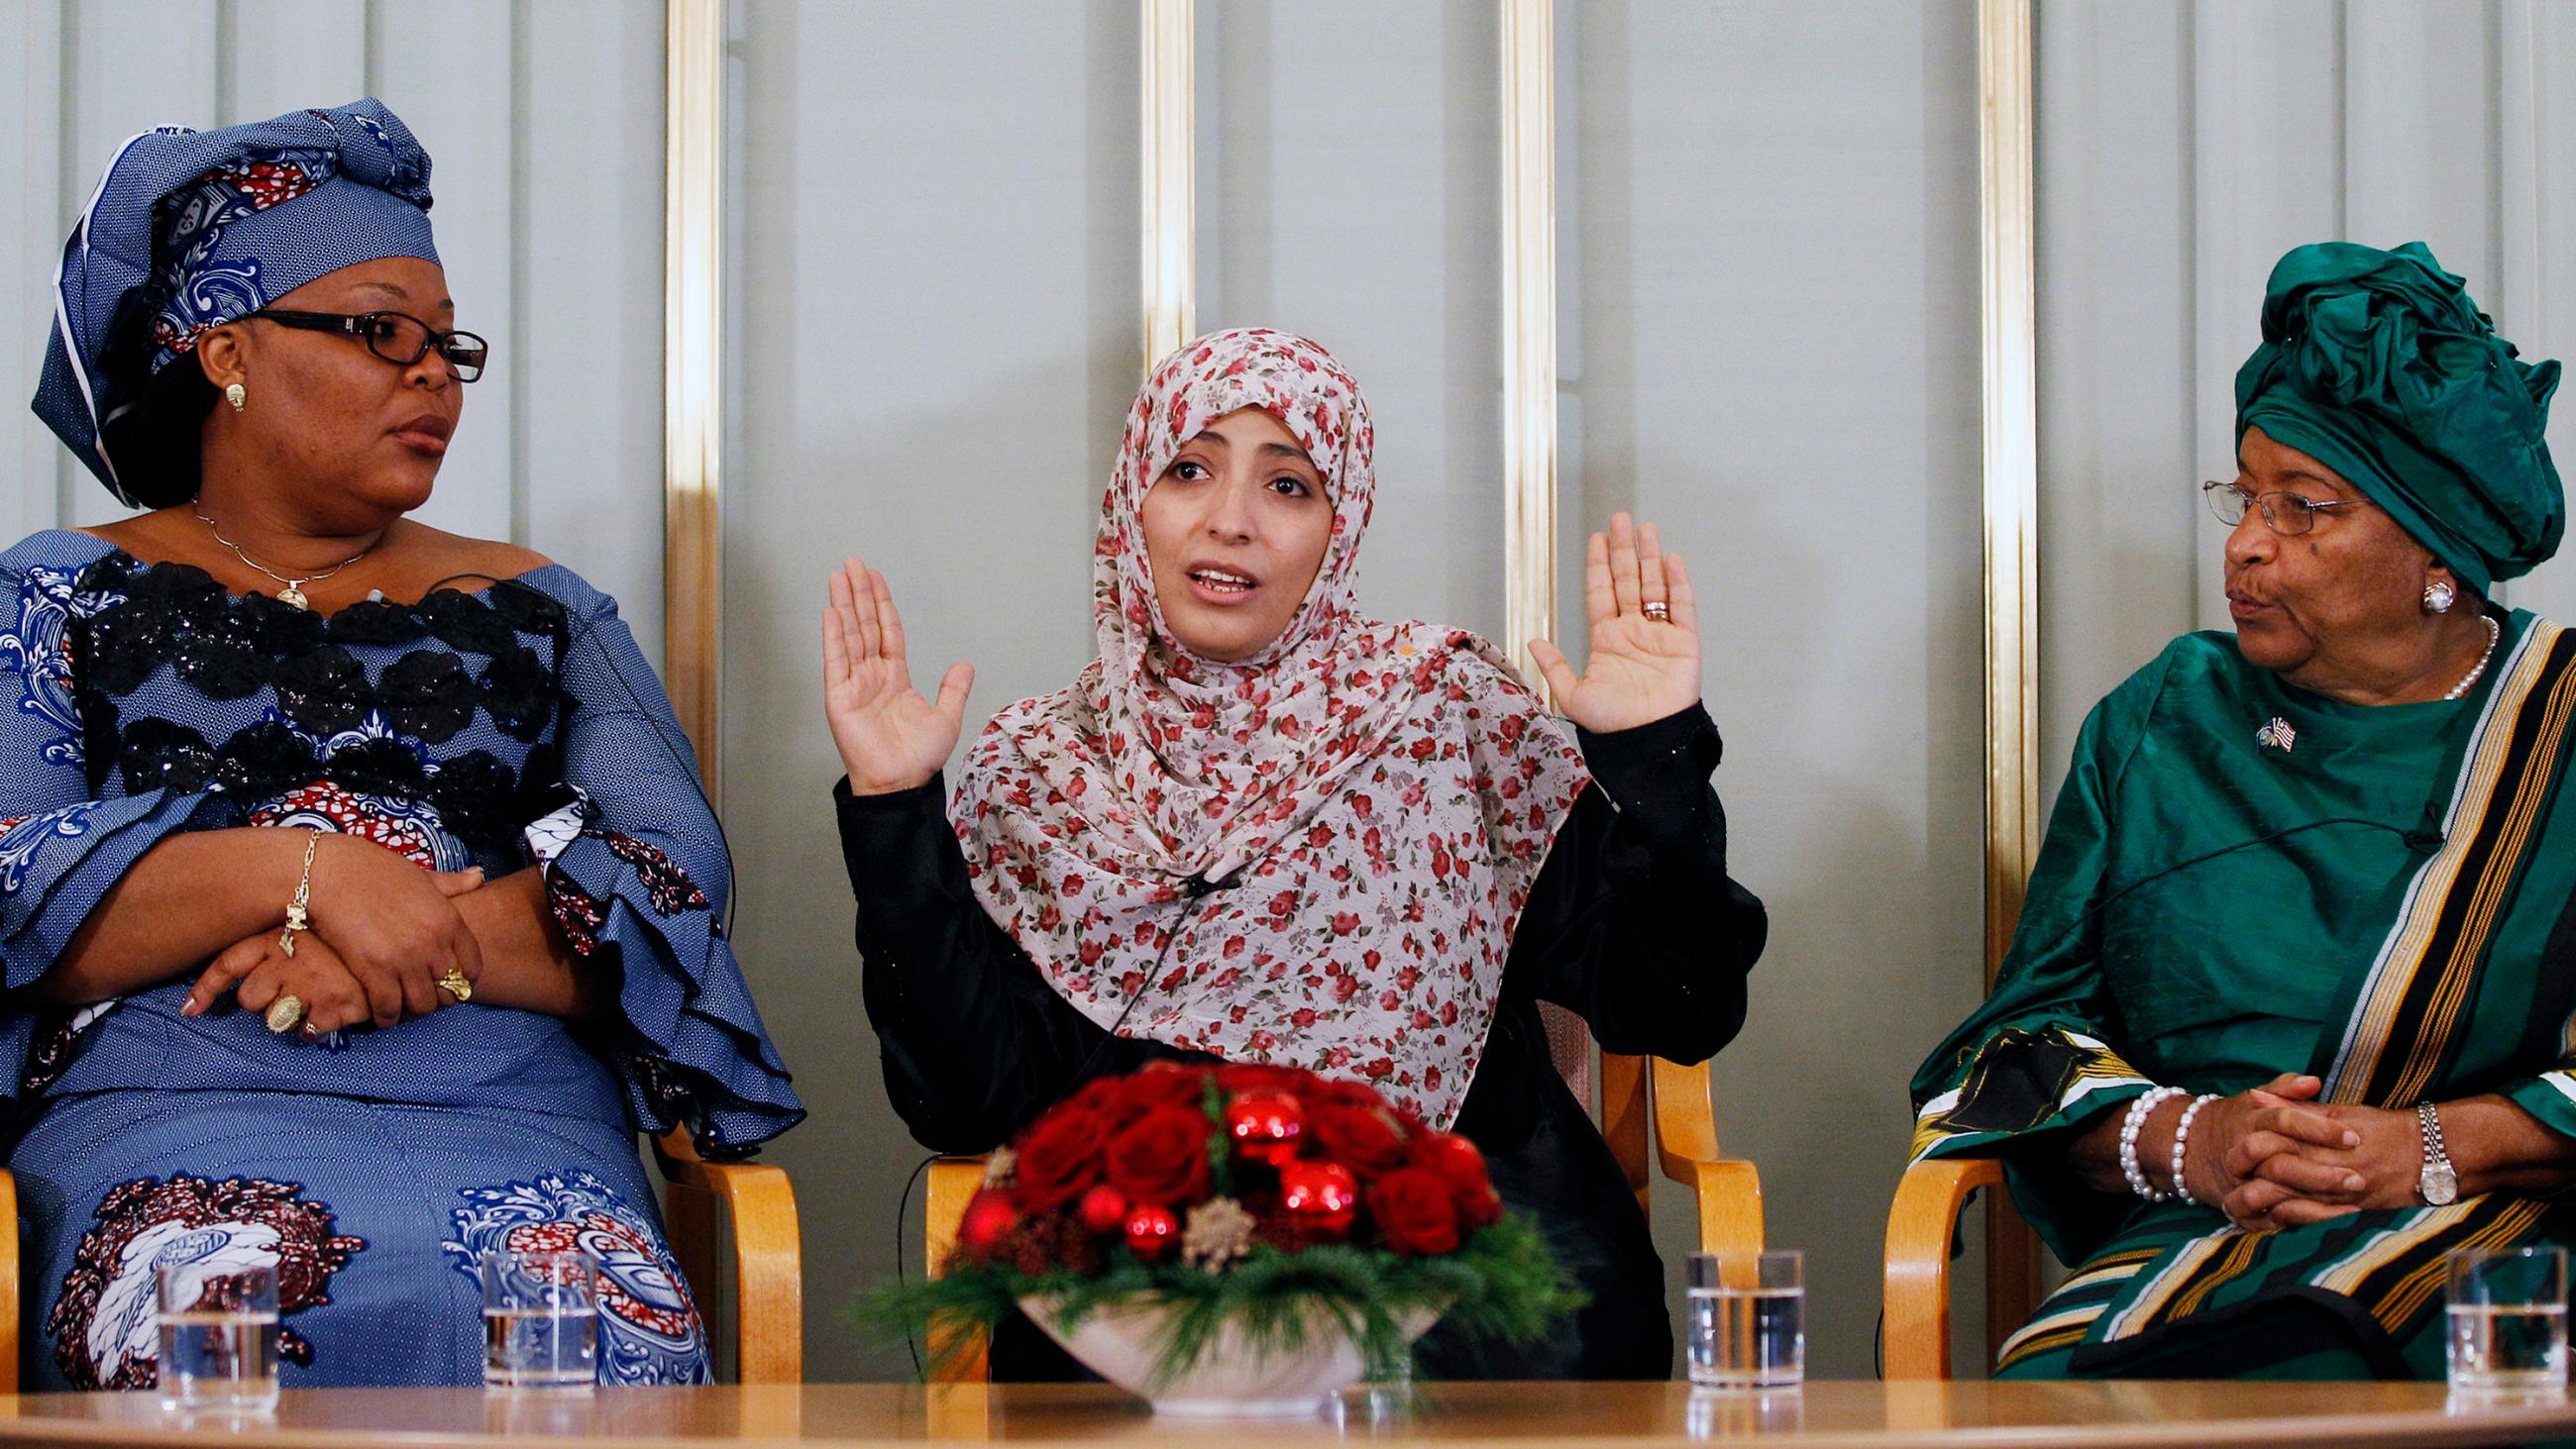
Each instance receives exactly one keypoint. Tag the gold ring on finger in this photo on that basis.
(1658, 610)
(284, 1013)
(455, 984)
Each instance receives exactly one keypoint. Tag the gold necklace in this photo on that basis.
(292, 594)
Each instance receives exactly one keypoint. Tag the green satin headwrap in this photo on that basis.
(2380, 366)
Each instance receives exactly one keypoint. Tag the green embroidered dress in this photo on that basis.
(2242, 879)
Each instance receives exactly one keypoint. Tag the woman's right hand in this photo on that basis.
(393, 923)
(890, 737)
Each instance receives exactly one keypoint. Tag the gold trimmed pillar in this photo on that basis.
(1529, 324)
(1170, 157)
(693, 373)
(2008, 264)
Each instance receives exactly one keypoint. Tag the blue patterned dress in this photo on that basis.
(512, 725)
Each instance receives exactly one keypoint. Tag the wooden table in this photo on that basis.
(1820, 1416)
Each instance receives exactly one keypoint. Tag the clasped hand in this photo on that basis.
(384, 931)
(2275, 1157)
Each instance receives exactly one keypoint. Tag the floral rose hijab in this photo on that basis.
(1315, 856)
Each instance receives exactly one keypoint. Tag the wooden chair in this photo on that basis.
(769, 1298)
(1638, 1094)
(1921, 1227)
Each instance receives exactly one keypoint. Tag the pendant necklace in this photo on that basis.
(2469, 681)
(292, 595)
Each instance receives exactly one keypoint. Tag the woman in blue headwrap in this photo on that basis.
(358, 904)
(2291, 1011)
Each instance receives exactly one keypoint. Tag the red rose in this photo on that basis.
(1364, 1139)
(1163, 1084)
(1415, 1212)
(1162, 1157)
(1058, 1157)
(1456, 1161)
(1260, 1077)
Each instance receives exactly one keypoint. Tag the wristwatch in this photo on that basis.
(2438, 1183)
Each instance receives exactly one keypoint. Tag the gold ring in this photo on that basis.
(1658, 610)
(284, 1013)
(455, 984)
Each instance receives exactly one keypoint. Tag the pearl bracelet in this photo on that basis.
(2137, 1120)
(2182, 1134)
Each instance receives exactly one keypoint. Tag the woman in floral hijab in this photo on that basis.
(1262, 826)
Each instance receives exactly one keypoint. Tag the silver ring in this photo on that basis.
(1657, 610)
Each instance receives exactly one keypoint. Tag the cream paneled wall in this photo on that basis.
(938, 336)
(1768, 264)
(1350, 192)
(544, 121)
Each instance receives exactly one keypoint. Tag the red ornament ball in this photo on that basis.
(1265, 1125)
(1151, 1231)
(1101, 1209)
(988, 1219)
(1320, 1195)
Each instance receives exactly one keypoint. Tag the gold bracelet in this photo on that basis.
(296, 920)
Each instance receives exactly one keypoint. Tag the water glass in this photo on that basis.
(1748, 1319)
(218, 1322)
(2508, 1318)
(540, 1319)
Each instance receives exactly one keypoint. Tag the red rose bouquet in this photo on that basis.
(1258, 1200)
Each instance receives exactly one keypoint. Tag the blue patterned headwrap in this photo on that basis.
(188, 230)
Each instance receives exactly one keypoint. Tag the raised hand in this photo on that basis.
(1640, 668)
(890, 737)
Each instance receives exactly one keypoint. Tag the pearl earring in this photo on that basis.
(2438, 595)
(237, 395)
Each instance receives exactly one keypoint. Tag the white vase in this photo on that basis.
(1231, 1378)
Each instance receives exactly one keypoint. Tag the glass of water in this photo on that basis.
(2508, 1312)
(540, 1320)
(1748, 1319)
(218, 1335)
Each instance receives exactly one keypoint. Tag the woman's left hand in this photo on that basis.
(257, 972)
(1641, 668)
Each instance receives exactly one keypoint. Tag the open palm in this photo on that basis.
(891, 737)
(1639, 668)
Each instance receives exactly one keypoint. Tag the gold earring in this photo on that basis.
(237, 395)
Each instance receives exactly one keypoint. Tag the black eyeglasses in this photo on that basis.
(2286, 513)
(397, 337)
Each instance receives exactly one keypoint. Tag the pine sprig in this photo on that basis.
(1501, 1283)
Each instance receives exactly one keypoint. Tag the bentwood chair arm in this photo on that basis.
(1921, 1227)
(8, 1282)
(1728, 1190)
(953, 1181)
(768, 1260)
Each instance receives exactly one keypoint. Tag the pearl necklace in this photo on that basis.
(293, 594)
(2469, 681)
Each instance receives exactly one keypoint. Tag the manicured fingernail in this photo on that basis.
(2352, 1139)
(192, 1008)
(2352, 1182)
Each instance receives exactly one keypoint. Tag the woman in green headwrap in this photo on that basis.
(2287, 1018)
